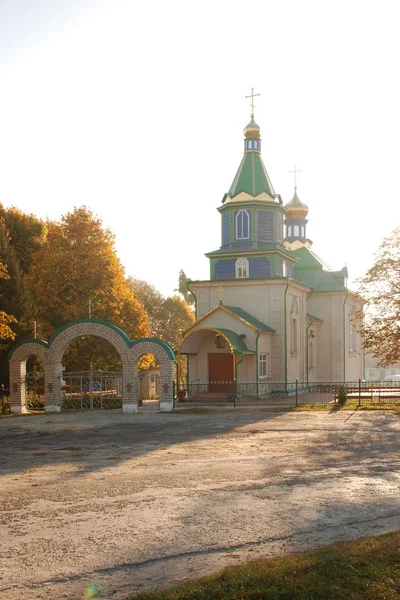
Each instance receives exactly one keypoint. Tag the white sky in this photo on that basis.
(136, 109)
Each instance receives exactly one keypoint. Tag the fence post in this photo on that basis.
(359, 392)
(234, 392)
(297, 391)
(173, 393)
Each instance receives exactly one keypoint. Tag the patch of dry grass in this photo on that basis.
(365, 569)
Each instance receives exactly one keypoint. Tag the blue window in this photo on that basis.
(242, 225)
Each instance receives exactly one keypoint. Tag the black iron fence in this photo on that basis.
(291, 394)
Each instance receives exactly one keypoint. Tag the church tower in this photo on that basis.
(252, 238)
(296, 220)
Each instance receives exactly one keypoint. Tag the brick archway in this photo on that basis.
(51, 353)
(163, 353)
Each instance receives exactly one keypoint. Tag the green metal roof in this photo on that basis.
(251, 177)
(249, 318)
(311, 271)
(237, 343)
(251, 247)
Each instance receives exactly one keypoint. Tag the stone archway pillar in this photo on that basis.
(17, 388)
(130, 387)
(167, 386)
(52, 382)
(20, 354)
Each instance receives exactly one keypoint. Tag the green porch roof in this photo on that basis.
(242, 314)
(251, 177)
(237, 343)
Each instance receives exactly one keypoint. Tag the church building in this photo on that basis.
(271, 309)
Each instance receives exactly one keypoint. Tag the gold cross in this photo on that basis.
(90, 308)
(296, 170)
(252, 96)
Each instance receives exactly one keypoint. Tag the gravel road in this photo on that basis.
(130, 502)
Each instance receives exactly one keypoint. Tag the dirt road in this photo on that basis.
(128, 502)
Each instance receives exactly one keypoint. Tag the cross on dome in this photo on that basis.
(252, 96)
(296, 170)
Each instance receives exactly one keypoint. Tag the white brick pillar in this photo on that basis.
(18, 356)
(17, 387)
(130, 385)
(167, 385)
(52, 383)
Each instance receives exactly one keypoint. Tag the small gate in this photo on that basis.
(149, 390)
(91, 390)
(34, 391)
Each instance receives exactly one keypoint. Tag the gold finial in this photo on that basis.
(90, 308)
(252, 96)
(296, 170)
(221, 294)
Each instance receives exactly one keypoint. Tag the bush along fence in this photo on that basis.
(291, 394)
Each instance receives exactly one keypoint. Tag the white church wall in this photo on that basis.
(334, 360)
(353, 348)
(329, 357)
(295, 323)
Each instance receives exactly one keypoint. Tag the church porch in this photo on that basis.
(217, 360)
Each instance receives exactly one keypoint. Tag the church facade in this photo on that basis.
(271, 309)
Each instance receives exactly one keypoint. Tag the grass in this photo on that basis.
(365, 569)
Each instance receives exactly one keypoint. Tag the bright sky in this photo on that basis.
(136, 109)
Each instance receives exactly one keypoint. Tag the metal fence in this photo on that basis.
(34, 391)
(238, 394)
(91, 390)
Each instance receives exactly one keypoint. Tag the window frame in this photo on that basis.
(263, 362)
(239, 215)
(242, 263)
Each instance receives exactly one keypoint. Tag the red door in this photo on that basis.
(220, 369)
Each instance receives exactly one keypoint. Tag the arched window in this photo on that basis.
(296, 231)
(242, 225)
(242, 268)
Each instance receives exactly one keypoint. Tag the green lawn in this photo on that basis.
(367, 569)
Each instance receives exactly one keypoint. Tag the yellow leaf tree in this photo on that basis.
(78, 264)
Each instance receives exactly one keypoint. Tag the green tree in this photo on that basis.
(380, 289)
(168, 317)
(183, 288)
(6, 333)
(27, 234)
(13, 288)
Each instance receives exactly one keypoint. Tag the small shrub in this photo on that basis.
(342, 395)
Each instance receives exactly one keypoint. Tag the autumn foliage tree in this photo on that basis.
(6, 333)
(78, 263)
(169, 317)
(381, 290)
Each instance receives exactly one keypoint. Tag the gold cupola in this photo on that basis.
(252, 130)
(296, 209)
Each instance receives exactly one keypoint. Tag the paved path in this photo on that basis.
(136, 501)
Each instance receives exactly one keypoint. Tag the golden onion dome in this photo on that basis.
(296, 209)
(252, 130)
